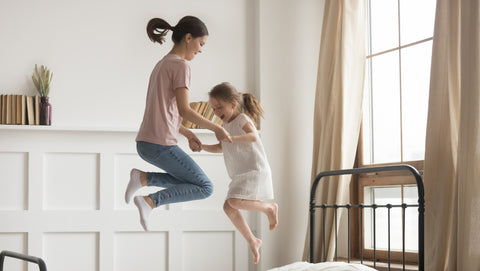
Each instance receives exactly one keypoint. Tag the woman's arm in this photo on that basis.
(249, 136)
(217, 148)
(188, 113)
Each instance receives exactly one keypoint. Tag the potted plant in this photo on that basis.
(41, 79)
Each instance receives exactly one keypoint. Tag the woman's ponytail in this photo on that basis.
(157, 30)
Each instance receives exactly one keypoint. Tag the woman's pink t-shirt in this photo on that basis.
(161, 120)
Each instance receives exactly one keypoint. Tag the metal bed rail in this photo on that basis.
(32, 259)
(324, 207)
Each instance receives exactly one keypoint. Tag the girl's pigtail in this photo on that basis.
(252, 107)
(157, 30)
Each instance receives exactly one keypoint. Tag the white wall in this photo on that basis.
(101, 58)
(289, 47)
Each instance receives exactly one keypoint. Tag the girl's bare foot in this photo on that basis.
(273, 216)
(255, 247)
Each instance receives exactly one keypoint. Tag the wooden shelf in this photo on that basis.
(82, 129)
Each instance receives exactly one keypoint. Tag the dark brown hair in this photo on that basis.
(157, 29)
(247, 103)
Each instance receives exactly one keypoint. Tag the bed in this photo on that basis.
(346, 264)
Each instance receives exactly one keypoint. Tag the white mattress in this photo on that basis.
(325, 266)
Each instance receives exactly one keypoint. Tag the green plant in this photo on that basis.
(42, 79)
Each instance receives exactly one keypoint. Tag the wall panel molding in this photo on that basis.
(61, 198)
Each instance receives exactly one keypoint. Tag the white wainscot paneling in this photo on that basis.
(13, 181)
(62, 199)
(16, 242)
(123, 165)
(77, 251)
(71, 181)
(141, 251)
(213, 251)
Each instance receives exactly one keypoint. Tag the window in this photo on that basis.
(399, 44)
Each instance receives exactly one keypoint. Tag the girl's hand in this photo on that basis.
(194, 143)
(223, 135)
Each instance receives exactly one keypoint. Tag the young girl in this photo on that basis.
(245, 160)
(167, 103)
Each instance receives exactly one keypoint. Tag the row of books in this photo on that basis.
(19, 109)
(204, 109)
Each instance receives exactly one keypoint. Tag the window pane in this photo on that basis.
(384, 25)
(367, 118)
(383, 195)
(416, 61)
(391, 194)
(410, 195)
(417, 18)
(386, 108)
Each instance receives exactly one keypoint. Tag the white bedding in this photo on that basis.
(325, 266)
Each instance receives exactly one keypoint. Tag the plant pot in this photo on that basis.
(45, 111)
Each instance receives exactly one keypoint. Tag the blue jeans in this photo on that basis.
(183, 179)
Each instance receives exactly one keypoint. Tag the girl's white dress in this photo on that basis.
(246, 164)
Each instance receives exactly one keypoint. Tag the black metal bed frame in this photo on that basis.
(6, 253)
(420, 205)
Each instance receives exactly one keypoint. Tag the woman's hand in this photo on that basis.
(194, 143)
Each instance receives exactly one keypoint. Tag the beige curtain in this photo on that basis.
(452, 155)
(338, 104)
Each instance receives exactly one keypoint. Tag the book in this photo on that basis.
(24, 109)
(4, 109)
(14, 109)
(30, 111)
(8, 118)
(1, 108)
(200, 111)
(207, 113)
(37, 109)
(202, 108)
(20, 112)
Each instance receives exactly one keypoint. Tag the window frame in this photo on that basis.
(385, 178)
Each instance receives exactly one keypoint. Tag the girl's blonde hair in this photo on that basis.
(247, 103)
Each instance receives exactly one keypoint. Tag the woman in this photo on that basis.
(167, 104)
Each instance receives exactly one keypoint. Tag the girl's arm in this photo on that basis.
(188, 113)
(193, 141)
(249, 136)
(217, 148)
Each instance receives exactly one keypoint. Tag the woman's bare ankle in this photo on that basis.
(149, 201)
(143, 178)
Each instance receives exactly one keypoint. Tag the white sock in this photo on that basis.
(133, 185)
(144, 209)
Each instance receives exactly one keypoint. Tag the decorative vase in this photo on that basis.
(45, 111)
